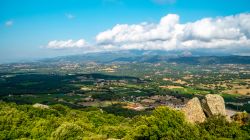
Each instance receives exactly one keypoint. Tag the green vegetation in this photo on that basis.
(61, 122)
(121, 99)
(71, 83)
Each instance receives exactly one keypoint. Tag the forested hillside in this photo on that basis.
(61, 122)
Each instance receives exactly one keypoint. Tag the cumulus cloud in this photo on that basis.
(66, 44)
(230, 32)
(9, 23)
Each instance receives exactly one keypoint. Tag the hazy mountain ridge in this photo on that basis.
(150, 57)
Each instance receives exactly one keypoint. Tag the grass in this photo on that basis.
(190, 91)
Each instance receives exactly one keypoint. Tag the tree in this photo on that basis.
(68, 131)
(218, 127)
(164, 123)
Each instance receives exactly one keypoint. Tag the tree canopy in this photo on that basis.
(61, 122)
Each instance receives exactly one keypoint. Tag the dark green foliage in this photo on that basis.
(60, 122)
(247, 127)
(119, 110)
(245, 107)
(219, 127)
(164, 123)
(50, 83)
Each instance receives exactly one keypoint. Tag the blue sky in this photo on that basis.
(27, 26)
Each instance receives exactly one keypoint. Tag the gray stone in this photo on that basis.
(193, 111)
(42, 106)
(214, 105)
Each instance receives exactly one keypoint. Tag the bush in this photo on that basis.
(219, 127)
(164, 123)
(60, 122)
(68, 131)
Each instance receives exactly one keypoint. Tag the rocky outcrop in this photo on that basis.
(196, 111)
(193, 111)
(37, 105)
(214, 105)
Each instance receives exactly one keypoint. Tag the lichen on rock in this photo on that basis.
(214, 105)
(196, 111)
(193, 111)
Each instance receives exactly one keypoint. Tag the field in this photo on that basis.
(82, 85)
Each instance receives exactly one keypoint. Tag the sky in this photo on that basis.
(34, 29)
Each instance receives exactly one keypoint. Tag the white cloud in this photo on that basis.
(230, 32)
(66, 44)
(9, 23)
(69, 16)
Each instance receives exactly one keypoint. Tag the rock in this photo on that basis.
(214, 105)
(37, 105)
(210, 106)
(240, 118)
(193, 111)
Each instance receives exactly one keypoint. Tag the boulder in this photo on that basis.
(193, 111)
(213, 105)
(42, 106)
